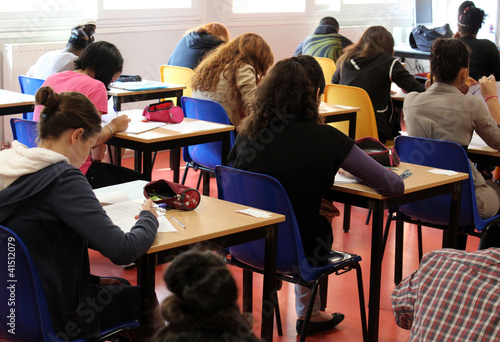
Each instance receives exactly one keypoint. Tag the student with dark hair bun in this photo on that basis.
(61, 60)
(443, 112)
(100, 64)
(485, 57)
(202, 307)
(48, 202)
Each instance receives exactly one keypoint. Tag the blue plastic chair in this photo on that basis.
(265, 192)
(24, 131)
(30, 319)
(435, 212)
(29, 85)
(204, 157)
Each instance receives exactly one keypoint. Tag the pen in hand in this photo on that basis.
(178, 222)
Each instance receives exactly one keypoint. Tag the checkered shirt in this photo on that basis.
(454, 296)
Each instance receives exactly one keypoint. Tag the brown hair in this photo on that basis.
(290, 89)
(63, 111)
(375, 40)
(448, 57)
(217, 30)
(249, 48)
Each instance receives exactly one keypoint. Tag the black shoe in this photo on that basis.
(315, 327)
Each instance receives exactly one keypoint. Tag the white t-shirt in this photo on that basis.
(52, 62)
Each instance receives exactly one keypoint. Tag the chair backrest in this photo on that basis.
(29, 85)
(24, 131)
(177, 75)
(490, 237)
(328, 67)
(266, 193)
(209, 154)
(366, 125)
(24, 309)
(445, 155)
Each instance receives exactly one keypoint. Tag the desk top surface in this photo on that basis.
(327, 109)
(12, 98)
(123, 92)
(188, 128)
(420, 179)
(213, 218)
(478, 146)
(407, 49)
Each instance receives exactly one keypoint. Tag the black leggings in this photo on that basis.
(104, 174)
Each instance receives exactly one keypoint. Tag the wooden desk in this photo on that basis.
(216, 223)
(406, 51)
(420, 185)
(333, 113)
(12, 102)
(163, 138)
(123, 96)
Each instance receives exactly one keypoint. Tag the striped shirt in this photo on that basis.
(454, 296)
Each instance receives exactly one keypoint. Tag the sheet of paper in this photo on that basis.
(123, 215)
(341, 178)
(255, 213)
(141, 85)
(442, 172)
(112, 197)
(140, 127)
(193, 126)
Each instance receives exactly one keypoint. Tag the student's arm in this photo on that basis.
(247, 85)
(488, 89)
(403, 301)
(404, 79)
(364, 167)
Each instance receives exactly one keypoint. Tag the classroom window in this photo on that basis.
(266, 6)
(364, 2)
(145, 4)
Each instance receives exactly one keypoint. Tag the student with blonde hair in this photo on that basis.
(231, 73)
(198, 42)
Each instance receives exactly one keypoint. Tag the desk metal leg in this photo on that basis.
(146, 279)
(347, 217)
(375, 272)
(147, 167)
(175, 162)
(450, 237)
(269, 296)
(398, 264)
(352, 125)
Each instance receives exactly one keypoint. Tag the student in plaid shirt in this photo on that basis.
(454, 296)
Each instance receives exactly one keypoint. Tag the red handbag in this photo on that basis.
(378, 151)
(164, 111)
(172, 194)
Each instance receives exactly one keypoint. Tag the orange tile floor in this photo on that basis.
(342, 292)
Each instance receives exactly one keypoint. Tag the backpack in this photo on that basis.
(421, 38)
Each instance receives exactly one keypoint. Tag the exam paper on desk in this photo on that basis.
(122, 214)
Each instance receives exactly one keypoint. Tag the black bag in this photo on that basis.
(421, 38)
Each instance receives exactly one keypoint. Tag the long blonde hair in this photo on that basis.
(217, 30)
(375, 40)
(226, 59)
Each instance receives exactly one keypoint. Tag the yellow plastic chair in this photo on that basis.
(177, 75)
(329, 68)
(366, 126)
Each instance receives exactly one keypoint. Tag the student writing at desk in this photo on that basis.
(48, 202)
(370, 64)
(443, 112)
(100, 64)
(286, 139)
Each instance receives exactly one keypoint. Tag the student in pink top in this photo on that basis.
(100, 64)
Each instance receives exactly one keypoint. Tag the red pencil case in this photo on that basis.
(172, 194)
(164, 111)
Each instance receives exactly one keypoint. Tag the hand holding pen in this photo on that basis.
(488, 87)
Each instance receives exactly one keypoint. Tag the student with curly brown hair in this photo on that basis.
(231, 73)
(202, 307)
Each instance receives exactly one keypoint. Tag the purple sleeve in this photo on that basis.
(381, 179)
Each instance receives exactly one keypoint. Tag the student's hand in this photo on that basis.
(328, 210)
(120, 123)
(148, 205)
(488, 86)
(457, 35)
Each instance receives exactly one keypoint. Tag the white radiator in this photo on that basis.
(18, 58)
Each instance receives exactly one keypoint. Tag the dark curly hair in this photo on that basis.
(290, 87)
(470, 20)
(202, 306)
(448, 57)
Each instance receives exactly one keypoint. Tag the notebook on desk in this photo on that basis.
(142, 85)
